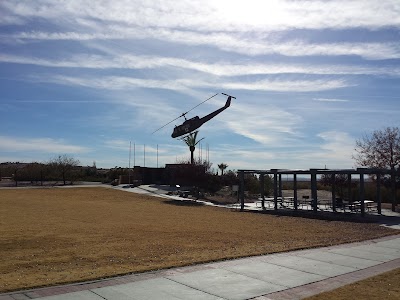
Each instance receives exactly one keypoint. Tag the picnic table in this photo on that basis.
(269, 201)
(369, 205)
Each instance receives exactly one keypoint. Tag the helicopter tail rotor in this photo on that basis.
(228, 95)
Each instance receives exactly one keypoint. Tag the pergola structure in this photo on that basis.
(277, 179)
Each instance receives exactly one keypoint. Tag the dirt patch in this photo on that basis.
(58, 235)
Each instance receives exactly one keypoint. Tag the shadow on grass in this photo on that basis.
(183, 203)
(333, 216)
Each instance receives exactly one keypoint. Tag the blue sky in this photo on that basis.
(86, 78)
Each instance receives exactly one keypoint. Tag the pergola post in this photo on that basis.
(393, 181)
(241, 189)
(378, 192)
(275, 189)
(280, 186)
(295, 190)
(362, 191)
(314, 189)
(334, 192)
(262, 191)
(349, 187)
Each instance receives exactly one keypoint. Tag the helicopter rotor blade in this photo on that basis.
(201, 103)
(182, 115)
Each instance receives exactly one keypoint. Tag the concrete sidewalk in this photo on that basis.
(291, 275)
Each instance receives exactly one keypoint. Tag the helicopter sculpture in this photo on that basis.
(194, 123)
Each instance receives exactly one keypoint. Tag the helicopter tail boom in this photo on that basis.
(194, 123)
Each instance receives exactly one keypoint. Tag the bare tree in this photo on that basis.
(34, 172)
(339, 180)
(381, 149)
(63, 165)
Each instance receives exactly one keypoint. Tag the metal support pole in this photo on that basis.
(349, 187)
(241, 189)
(334, 192)
(393, 181)
(362, 193)
(280, 185)
(262, 191)
(314, 190)
(378, 193)
(275, 190)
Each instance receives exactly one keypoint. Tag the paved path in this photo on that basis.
(291, 275)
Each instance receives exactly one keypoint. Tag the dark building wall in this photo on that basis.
(148, 175)
(172, 174)
(184, 174)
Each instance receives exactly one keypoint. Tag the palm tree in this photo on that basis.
(222, 167)
(191, 141)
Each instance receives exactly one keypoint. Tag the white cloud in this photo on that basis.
(127, 83)
(278, 15)
(265, 124)
(119, 83)
(46, 145)
(288, 85)
(217, 15)
(249, 28)
(248, 44)
(334, 151)
(223, 68)
(337, 146)
(330, 100)
(365, 50)
(117, 144)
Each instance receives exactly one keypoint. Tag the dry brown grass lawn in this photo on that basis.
(384, 286)
(50, 236)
